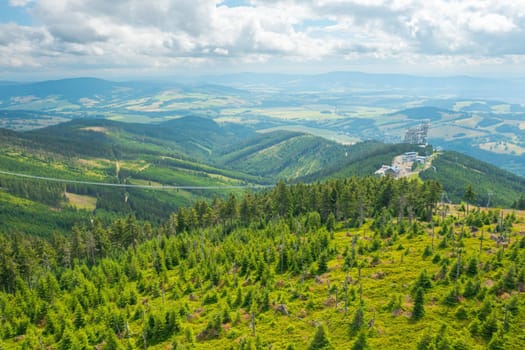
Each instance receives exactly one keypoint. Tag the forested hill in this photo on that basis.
(453, 170)
(193, 137)
(195, 152)
(493, 186)
(356, 263)
(363, 159)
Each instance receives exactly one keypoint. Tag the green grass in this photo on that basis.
(197, 270)
(81, 202)
(398, 270)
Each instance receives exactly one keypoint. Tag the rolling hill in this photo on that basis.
(346, 259)
(478, 117)
(197, 152)
(283, 155)
(455, 172)
(111, 152)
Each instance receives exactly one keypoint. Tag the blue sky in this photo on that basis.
(165, 38)
(13, 14)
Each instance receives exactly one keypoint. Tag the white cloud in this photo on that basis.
(221, 52)
(490, 23)
(19, 3)
(132, 33)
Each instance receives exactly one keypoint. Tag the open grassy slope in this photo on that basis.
(270, 284)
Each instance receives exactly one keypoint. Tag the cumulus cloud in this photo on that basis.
(124, 33)
(19, 3)
(490, 23)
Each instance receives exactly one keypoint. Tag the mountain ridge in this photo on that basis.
(167, 154)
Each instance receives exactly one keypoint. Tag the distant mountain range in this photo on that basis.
(460, 86)
(466, 114)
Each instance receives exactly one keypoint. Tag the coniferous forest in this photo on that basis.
(357, 263)
(262, 175)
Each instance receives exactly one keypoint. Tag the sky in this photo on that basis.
(166, 38)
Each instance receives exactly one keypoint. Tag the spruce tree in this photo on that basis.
(423, 281)
(472, 268)
(360, 343)
(469, 195)
(497, 342)
(419, 311)
(330, 222)
(425, 343)
(111, 342)
(489, 327)
(320, 341)
(357, 321)
(79, 320)
(322, 266)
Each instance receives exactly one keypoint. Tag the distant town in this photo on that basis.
(409, 163)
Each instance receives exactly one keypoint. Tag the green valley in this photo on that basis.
(190, 153)
(262, 175)
(172, 234)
